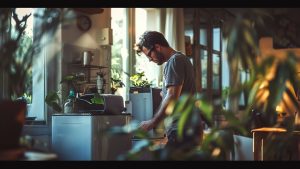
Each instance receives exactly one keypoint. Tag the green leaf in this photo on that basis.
(140, 145)
(68, 78)
(183, 119)
(180, 104)
(52, 100)
(51, 96)
(56, 107)
(97, 99)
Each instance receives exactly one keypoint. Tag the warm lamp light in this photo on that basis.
(285, 107)
(279, 109)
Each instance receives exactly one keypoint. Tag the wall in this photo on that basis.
(68, 34)
(71, 35)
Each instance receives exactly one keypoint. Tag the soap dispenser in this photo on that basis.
(69, 106)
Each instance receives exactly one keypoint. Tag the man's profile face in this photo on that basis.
(153, 55)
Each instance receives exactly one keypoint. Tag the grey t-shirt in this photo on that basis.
(178, 70)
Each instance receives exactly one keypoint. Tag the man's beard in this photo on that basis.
(160, 58)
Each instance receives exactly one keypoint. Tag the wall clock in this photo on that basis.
(84, 23)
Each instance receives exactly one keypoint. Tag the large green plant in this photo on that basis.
(272, 82)
(17, 52)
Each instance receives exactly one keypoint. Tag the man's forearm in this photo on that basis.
(160, 114)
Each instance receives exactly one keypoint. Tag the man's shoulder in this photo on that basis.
(178, 57)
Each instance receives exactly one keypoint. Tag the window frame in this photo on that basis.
(209, 21)
(37, 107)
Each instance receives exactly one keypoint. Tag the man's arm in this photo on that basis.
(173, 92)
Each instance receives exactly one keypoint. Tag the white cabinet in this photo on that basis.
(83, 136)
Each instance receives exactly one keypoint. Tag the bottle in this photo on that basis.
(99, 83)
(69, 105)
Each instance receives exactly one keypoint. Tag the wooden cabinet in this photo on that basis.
(268, 144)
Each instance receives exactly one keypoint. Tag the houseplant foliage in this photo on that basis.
(115, 84)
(52, 98)
(116, 78)
(271, 84)
(270, 74)
(139, 80)
(17, 52)
(17, 55)
(73, 81)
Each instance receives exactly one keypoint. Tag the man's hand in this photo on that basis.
(146, 125)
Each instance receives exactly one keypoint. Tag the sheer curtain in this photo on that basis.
(172, 26)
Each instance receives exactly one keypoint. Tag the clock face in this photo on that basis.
(84, 23)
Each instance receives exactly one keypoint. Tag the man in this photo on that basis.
(178, 77)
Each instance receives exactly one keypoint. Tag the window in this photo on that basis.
(119, 58)
(25, 43)
(37, 36)
(39, 33)
(128, 24)
(146, 21)
(35, 81)
(206, 30)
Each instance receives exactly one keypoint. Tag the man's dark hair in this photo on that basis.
(149, 38)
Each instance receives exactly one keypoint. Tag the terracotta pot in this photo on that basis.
(12, 119)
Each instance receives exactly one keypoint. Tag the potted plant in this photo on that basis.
(116, 84)
(72, 82)
(139, 83)
(116, 79)
(139, 80)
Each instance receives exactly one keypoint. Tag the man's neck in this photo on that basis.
(169, 52)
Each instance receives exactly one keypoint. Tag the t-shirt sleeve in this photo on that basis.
(175, 72)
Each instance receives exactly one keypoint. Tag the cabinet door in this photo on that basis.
(72, 137)
(105, 145)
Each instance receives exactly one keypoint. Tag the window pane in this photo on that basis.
(216, 38)
(37, 108)
(203, 36)
(25, 43)
(216, 71)
(34, 82)
(119, 52)
(203, 58)
(143, 17)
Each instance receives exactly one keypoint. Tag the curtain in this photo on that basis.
(172, 26)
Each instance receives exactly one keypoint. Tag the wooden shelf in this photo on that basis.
(89, 66)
